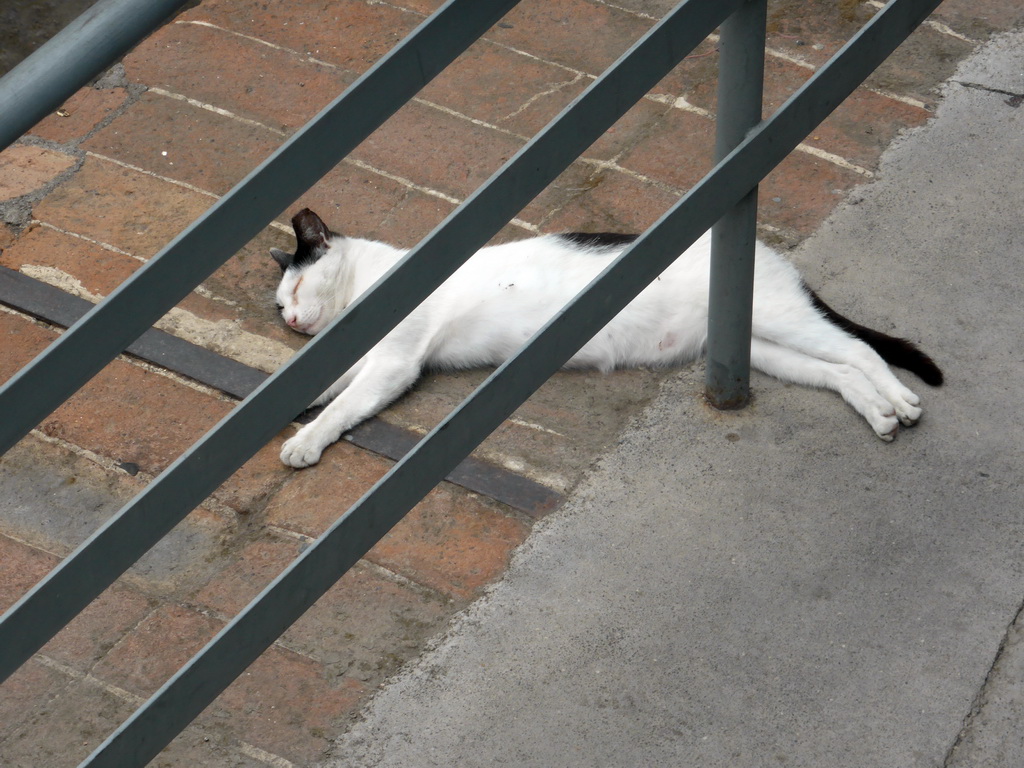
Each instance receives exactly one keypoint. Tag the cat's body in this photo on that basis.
(503, 294)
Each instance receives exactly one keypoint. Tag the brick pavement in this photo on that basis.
(96, 189)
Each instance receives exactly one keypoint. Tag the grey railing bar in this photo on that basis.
(733, 237)
(98, 561)
(75, 357)
(315, 570)
(71, 58)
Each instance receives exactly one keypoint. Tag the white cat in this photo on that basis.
(504, 293)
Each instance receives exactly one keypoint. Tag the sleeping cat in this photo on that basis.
(504, 293)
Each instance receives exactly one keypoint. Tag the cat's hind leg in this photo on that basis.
(850, 382)
(805, 331)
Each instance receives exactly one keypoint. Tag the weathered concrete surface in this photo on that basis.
(776, 587)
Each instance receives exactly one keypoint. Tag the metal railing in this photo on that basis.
(747, 149)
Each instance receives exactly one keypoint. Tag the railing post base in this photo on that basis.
(734, 236)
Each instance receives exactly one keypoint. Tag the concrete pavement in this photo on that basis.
(776, 587)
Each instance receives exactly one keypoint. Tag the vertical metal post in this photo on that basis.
(740, 86)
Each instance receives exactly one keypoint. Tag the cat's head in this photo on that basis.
(306, 296)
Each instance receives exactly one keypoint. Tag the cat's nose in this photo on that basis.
(292, 320)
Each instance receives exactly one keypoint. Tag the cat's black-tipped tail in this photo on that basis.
(898, 352)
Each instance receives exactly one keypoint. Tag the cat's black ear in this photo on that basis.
(310, 230)
(283, 259)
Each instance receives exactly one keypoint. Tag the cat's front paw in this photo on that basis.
(301, 451)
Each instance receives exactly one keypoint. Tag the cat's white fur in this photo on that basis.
(504, 293)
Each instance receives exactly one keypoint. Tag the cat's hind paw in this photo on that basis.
(886, 425)
(301, 451)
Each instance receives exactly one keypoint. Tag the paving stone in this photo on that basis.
(659, 157)
(119, 206)
(181, 141)
(25, 169)
(80, 114)
(64, 730)
(22, 567)
(978, 19)
(505, 88)
(360, 203)
(207, 745)
(131, 416)
(801, 192)
(920, 65)
(53, 499)
(33, 686)
(451, 541)
(276, 87)
(285, 704)
(551, 29)
(154, 650)
(613, 202)
(813, 32)
(364, 626)
(553, 437)
(864, 125)
(437, 150)
(98, 628)
(90, 271)
(629, 131)
(98, 270)
(353, 35)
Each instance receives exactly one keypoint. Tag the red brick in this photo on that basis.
(97, 629)
(155, 649)
(250, 488)
(503, 87)
(920, 65)
(614, 202)
(21, 568)
(814, 31)
(245, 281)
(175, 139)
(581, 35)
(278, 88)
(80, 114)
(978, 19)
(21, 340)
(256, 565)
(363, 626)
(451, 541)
(121, 207)
(64, 730)
(801, 192)
(629, 131)
(352, 35)
(134, 416)
(23, 695)
(99, 270)
(437, 150)
(368, 624)
(864, 125)
(25, 169)
(858, 131)
(353, 201)
(286, 705)
(662, 157)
